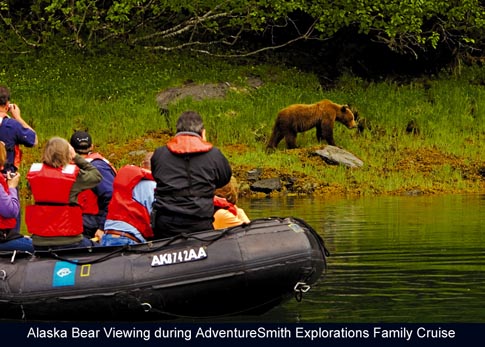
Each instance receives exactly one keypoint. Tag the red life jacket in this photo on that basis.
(223, 203)
(18, 156)
(87, 199)
(122, 205)
(6, 223)
(52, 214)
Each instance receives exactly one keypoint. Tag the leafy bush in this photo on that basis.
(218, 28)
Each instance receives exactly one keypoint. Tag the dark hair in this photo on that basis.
(190, 121)
(4, 95)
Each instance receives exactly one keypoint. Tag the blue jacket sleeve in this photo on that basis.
(104, 190)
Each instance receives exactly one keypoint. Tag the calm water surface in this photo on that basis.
(393, 259)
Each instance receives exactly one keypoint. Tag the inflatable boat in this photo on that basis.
(244, 270)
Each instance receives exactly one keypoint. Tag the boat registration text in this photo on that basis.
(179, 256)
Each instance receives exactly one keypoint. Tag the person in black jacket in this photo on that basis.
(187, 170)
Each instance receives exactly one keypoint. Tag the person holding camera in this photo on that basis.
(10, 238)
(14, 132)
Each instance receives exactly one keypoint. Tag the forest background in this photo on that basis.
(412, 70)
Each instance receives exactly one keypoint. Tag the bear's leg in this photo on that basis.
(328, 136)
(276, 137)
(327, 131)
(290, 139)
(319, 133)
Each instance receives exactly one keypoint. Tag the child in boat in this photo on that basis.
(128, 219)
(226, 212)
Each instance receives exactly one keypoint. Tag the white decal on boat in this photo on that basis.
(179, 256)
(63, 272)
(296, 228)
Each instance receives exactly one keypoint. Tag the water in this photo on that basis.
(393, 259)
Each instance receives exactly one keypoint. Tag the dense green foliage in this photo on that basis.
(217, 27)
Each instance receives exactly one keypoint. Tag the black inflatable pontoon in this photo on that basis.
(236, 271)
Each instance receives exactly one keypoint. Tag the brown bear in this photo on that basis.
(298, 118)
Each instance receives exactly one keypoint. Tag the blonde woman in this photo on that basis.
(55, 220)
(226, 212)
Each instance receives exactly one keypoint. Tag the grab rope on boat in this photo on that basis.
(183, 236)
(300, 288)
(130, 249)
(98, 260)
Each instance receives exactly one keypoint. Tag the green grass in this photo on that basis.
(113, 96)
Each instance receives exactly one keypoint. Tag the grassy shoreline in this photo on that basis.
(114, 98)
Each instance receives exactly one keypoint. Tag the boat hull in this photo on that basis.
(237, 271)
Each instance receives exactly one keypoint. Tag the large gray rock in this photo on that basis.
(267, 185)
(192, 90)
(198, 92)
(338, 156)
(253, 175)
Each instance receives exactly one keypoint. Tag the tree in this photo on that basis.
(223, 27)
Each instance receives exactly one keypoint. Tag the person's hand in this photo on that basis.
(14, 111)
(13, 179)
(98, 235)
(72, 152)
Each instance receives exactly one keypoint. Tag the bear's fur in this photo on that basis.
(298, 118)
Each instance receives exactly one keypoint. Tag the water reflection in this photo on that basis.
(393, 259)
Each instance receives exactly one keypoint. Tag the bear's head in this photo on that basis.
(346, 117)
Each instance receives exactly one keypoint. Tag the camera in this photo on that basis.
(10, 175)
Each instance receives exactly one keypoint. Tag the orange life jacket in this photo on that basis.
(52, 214)
(123, 207)
(185, 144)
(6, 223)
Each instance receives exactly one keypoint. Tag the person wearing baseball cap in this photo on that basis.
(94, 202)
(82, 142)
